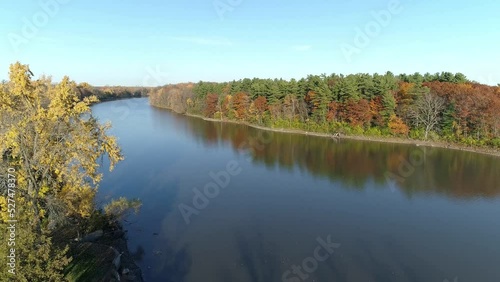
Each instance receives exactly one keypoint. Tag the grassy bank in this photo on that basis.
(438, 144)
(94, 259)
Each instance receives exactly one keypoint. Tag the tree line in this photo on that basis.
(108, 93)
(442, 106)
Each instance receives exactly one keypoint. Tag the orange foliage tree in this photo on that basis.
(241, 103)
(332, 111)
(356, 112)
(397, 126)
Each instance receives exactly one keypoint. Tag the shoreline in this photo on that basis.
(121, 243)
(391, 140)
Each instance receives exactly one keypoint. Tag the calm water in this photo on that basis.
(391, 212)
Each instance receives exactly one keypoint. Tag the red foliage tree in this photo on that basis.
(376, 107)
(332, 111)
(261, 104)
(241, 102)
(211, 104)
(356, 113)
(476, 106)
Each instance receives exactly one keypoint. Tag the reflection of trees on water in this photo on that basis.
(453, 173)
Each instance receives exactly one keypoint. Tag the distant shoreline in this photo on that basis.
(394, 140)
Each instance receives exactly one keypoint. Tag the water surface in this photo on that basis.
(398, 212)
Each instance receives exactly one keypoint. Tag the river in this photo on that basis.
(227, 202)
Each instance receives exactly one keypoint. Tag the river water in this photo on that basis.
(227, 202)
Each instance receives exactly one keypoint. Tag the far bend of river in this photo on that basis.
(436, 218)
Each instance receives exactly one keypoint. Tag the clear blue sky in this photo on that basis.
(122, 42)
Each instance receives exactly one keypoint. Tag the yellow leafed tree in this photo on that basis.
(49, 136)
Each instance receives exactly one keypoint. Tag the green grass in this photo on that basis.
(91, 262)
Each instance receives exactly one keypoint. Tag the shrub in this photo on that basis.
(373, 131)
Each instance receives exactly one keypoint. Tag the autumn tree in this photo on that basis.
(211, 101)
(225, 106)
(397, 126)
(376, 109)
(427, 110)
(54, 150)
(357, 113)
(333, 108)
(241, 103)
(261, 107)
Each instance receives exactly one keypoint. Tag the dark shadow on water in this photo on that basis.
(138, 254)
(171, 266)
(257, 258)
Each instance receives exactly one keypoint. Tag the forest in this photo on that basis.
(445, 107)
(108, 93)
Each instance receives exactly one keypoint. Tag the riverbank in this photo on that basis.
(101, 255)
(105, 256)
(91, 256)
(435, 144)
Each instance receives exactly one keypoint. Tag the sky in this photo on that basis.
(156, 42)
